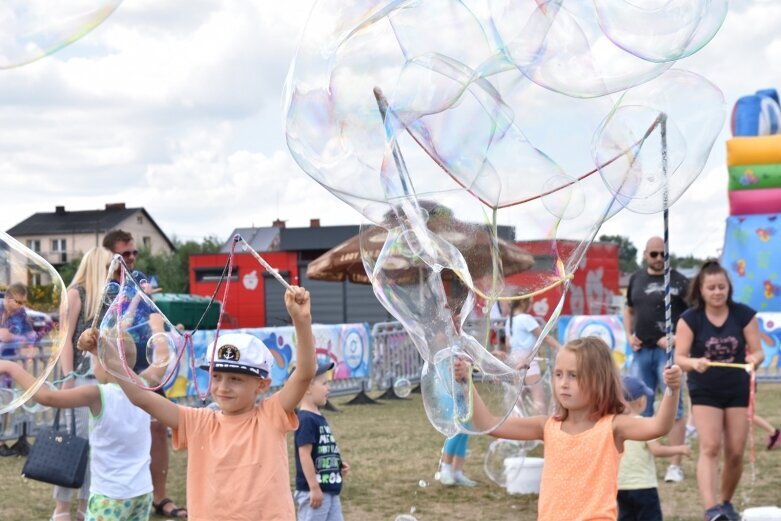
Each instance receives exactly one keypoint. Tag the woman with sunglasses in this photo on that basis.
(717, 329)
(84, 302)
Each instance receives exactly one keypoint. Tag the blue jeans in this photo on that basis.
(648, 365)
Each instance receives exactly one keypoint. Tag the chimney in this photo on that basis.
(278, 223)
(115, 206)
(314, 223)
(59, 210)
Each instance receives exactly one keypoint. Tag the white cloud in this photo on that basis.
(178, 110)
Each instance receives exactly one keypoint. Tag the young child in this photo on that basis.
(451, 469)
(585, 437)
(522, 331)
(638, 498)
(119, 439)
(237, 463)
(320, 469)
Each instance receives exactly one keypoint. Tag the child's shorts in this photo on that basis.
(102, 508)
(329, 510)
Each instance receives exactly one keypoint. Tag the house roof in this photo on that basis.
(80, 221)
(316, 238)
(261, 239)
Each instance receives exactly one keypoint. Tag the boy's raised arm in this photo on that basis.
(298, 305)
(159, 407)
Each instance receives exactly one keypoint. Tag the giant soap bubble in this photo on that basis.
(437, 120)
(33, 29)
(134, 333)
(33, 315)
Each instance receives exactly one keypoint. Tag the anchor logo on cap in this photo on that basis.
(229, 352)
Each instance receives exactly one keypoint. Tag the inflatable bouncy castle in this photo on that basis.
(752, 244)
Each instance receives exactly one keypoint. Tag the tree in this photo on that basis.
(627, 252)
(173, 269)
(689, 261)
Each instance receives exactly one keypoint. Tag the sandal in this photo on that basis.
(174, 512)
(61, 514)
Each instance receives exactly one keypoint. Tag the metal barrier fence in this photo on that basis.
(392, 353)
(393, 356)
(28, 419)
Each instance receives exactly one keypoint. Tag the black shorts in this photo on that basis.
(720, 400)
(639, 505)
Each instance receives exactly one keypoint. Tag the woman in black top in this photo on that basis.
(717, 329)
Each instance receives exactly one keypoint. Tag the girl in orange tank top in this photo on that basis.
(584, 439)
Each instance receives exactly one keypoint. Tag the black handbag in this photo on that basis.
(58, 457)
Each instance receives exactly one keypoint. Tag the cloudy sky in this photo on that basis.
(179, 110)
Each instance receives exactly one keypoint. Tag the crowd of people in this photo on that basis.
(600, 439)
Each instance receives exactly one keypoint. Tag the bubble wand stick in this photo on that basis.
(274, 273)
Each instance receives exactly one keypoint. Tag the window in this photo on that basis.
(140, 219)
(59, 249)
(147, 242)
(213, 274)
(34, 244)
(34, 279)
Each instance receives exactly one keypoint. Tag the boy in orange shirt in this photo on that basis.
(237, 461)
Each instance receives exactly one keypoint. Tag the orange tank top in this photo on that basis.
(580, 473)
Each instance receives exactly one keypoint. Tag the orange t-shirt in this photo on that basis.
(237, 466)
(580, 473)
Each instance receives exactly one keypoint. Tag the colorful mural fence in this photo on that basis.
(610, 328)
(347, 345)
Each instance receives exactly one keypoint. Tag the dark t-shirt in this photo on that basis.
(645, 295)
(719, 344)
(137, 327)
(313, 428)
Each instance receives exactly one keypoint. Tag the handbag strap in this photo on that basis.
(56, 424)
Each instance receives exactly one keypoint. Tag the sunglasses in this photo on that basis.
(129, 253)
(655, 254)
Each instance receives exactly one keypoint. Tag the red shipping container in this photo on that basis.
(246, 305)
(594, 284)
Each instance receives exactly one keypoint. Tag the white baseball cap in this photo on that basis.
(240, 353)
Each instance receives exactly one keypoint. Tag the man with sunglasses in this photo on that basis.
(645, 328)
(122, 243)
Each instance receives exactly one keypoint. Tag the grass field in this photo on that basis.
(392, 450)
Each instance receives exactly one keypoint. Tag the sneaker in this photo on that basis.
(464, 481)
(728, 510)
(674, 474)
(714, 513)
(691, 432)
(774, 440)
(446, 478)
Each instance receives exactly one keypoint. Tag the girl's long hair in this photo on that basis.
(523, 304)
(597, 375)
(91, 275)
(709, 267)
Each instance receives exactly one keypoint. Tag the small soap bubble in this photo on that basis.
(402, 387)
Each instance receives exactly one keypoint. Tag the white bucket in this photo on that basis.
(762, 514)
(523, 475)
